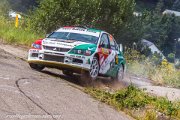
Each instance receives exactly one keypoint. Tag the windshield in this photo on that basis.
(74, 36)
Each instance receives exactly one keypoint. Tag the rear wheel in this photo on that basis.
(36, 66)
(120, 74)
(67, 73)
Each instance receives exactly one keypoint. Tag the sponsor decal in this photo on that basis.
(77, 56)
(106, 65)
(80, 29)
(34, 50)
(116, 59)
(111, 38)
(101, 59)
(105, 51)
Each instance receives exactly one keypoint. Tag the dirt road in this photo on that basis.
(27, 94)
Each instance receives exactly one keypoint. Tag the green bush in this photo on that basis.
(171, 57)
(107, 15)
(160, 71)
(133, 100)
(10, 34)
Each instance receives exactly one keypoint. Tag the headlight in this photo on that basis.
(36, 46)
(82, 52)
(88, 53)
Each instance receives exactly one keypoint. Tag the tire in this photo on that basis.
(36, 66)
(120, 74)
(67, 73)
(94, 69)
(89, 76)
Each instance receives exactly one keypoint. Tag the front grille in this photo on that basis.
(34, 55)
(54, 58)
(56, 49)
(77, 61)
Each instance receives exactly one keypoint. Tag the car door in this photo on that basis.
(104, 51)
(114, 57)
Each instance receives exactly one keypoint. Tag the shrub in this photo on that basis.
(133, 100)
(10, 34)
(171, 57)
(153, 68)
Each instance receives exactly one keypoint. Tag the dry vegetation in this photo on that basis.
(162, 72)
(13, 35)
(138, 104)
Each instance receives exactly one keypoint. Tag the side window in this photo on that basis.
(112, 43)
(116, 46)
(104, 43)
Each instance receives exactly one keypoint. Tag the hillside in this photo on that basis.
(141, 5)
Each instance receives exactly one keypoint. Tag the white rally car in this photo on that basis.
(76, 50)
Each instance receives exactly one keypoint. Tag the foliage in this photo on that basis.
(171, 57)
(162, 31)
(152, 67)
(131, 32)
(132, 55)
(13, 35)
(4, 7)
(52, 14)
(22, 5)
(176, 5)
(132, 100)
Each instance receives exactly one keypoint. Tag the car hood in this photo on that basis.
(62, 43)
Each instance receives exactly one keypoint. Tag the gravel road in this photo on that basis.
(49, 95)
(27, 94)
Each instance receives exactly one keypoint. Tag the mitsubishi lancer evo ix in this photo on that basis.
(77, 49)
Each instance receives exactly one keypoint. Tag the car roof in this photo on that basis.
(81, 30)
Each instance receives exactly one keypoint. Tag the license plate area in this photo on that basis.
(53, 58)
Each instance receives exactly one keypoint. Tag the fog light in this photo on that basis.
(41, 56)
(68, 59)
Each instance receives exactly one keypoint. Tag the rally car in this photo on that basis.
(79, 50)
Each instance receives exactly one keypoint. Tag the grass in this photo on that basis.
(138, 104)
(163, 72)
(10, 34)
(131, 100)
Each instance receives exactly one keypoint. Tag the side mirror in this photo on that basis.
(47, 35)
(121, 47)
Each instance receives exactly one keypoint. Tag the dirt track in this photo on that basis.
(25, 93)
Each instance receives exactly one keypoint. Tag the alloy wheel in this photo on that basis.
(94, 70)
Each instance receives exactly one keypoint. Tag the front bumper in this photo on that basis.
(63, 61)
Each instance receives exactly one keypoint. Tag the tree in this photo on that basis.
(131, 31)
(22, 5)
(159, 7)
(107, 15)
(4, 7)
(162, 30)
(176, 5)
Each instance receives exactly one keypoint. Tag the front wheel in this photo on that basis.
(92, 74)
(94, 69)
(36, 66)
